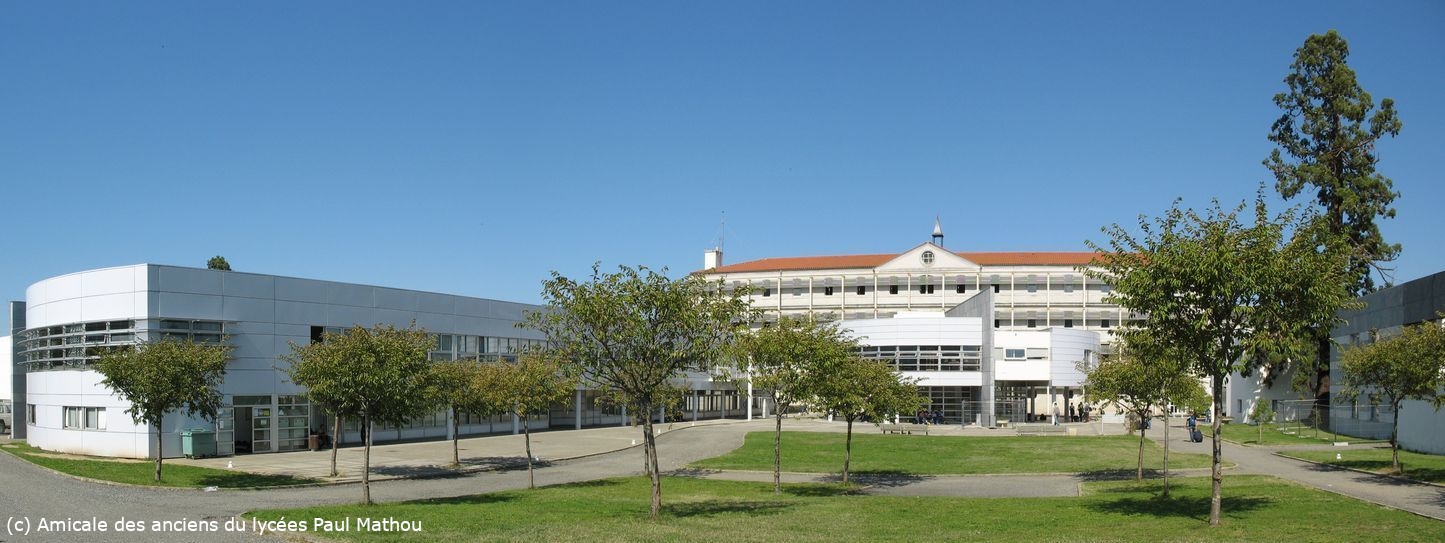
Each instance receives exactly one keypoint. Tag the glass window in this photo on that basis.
(1033, 288)
(1013, 354)
(1104, 323)
(862, 290)
(827, 291)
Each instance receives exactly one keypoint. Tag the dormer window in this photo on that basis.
(927, 257)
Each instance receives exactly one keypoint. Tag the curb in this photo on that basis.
(1353, 497)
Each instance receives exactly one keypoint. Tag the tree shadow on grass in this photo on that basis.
(250, 480)
(813, 490)
(475, 499)
(1118, 475)
(711, 508)
(1183, 507)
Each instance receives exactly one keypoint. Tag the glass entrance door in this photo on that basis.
(261, 429)
(225, 431)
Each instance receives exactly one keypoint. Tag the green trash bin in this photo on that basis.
(198, 442)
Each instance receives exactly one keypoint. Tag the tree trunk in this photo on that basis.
(159, 447)
(778, 451)
(847, 450)
(366, 463)
(527, 437)
(649, 443)
(1166, 451)
(1394, 441)
(1143, 429)
(456, 437)
(335, 443)
(1216, 472)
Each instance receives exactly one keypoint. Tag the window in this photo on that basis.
(995, 323)
(925, 289)
(1068, 287)
(959, 288)
(797, 291)
(1104, 323)
(1032, 323)
(862, 289)
(30, 414)
(827, 291)
(995, 288)
(767, 292)
(893, 289)
(1013, 354)
(1068, 323)
(1105, 287)
(1033, 288)
(927, 257)
(85, 418)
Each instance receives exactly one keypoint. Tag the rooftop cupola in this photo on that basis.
(937, 232)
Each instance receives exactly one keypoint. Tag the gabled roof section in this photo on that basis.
(840, 262)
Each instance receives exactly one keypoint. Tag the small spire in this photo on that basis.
(937, 231)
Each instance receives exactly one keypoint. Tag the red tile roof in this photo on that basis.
(873, 261)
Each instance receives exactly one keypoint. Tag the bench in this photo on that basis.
(904, 428)
(1040, 430)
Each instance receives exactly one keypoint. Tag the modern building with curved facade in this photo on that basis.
(65, 321)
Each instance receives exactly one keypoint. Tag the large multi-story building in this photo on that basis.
(991, 336)
(65, 321)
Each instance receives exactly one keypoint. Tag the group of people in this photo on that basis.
(924, 416)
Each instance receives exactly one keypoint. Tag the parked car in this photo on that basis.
(6, 418)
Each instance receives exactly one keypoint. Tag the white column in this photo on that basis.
(750, 400)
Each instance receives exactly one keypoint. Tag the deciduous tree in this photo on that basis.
(854, 388)
(532, 384)
(379, 374)
(632, 332)
(1138, 380)
(218, 262)
(784, 361)
(465, 386)
(164, 376)
(1226, 292)
(1409, 366)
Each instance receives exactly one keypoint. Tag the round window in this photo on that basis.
(927, 257)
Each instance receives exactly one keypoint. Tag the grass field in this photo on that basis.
(1421, 467)
(143, 472)
(1248, 434)
(1256, 508)
(822, 452)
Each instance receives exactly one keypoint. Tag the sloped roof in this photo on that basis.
(872, 261)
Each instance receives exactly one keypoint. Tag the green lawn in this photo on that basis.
(143, 473)
(822, 452)
(1421, 467)
(1278, 434)
(1256, 508)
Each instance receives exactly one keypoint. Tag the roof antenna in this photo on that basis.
(722, 229)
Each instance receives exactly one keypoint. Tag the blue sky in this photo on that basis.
(472, 147)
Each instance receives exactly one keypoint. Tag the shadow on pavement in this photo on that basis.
(503, 463)
(884, 478)
(1120, 475)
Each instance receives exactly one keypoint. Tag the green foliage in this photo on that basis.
(854, 388)
(786, 361)
(218, 262)
(465, 386)
(1329, 131)
(1409, 366)
(168, 375)
(379, 374)
(1233, 295)
(1262, 415)
(632, 332)
(531, 385)
(1142, 377)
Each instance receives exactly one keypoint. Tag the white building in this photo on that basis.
(63, 320)
(992, 336)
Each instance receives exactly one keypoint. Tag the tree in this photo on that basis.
(631, 332)
(1409, 366)
(168, 375)
(534, 383)
(855, 388)
(1138, 380)
(218, 262)
(1262, 414)
(465, 386)
(379, 374)
(784, 361)
(1227, 294)
(1326, 139)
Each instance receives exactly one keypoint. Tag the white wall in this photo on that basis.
(7, 369)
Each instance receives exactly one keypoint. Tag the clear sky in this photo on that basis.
(472, 147)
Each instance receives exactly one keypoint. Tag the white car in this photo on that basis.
(6, 419)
